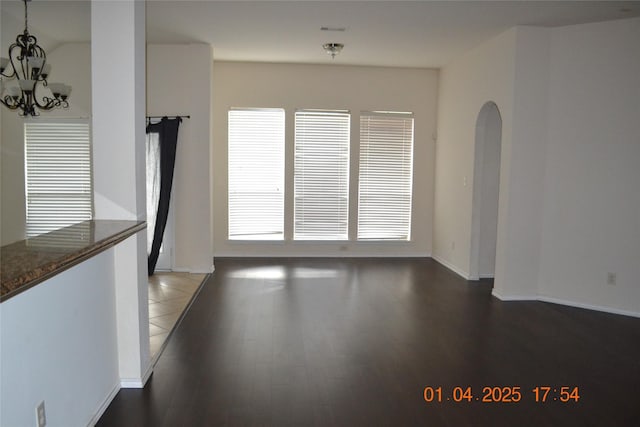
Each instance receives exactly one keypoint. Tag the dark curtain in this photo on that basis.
(167, 130)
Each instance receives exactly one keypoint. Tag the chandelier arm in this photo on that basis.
(14, 70)
(20, 46)
(49, 103)
(7, 103)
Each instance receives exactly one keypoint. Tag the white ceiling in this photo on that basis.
(386, 33)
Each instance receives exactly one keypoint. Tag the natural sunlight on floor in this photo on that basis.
(169, 295)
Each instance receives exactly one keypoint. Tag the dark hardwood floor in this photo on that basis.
(355, 342)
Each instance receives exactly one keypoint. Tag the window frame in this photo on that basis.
(305, 233)
(35, 226)
(376, 149)
(278, 235)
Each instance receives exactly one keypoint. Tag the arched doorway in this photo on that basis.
(486, 189)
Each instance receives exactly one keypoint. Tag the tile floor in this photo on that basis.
(169, 294)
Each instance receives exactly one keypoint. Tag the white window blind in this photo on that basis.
(256, 174)
(321, 175)
(58, 174)
(385, 179)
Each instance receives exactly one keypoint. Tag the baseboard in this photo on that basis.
(477, 277)
(131, 383)
(460, 272)
(566, 303)
(514, 297)
(588, 306)
(332, 255)
(104, 405)
(194, 270)
(137, 382)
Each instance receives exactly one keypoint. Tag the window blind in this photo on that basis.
(256, 174)
(321, 175)
(385, 177)
(58, 174)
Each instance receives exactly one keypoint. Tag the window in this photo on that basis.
(385, 180)
(256, 174)
(58, 174)
(321, 175)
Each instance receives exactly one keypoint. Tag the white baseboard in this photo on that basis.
(588, 306)
(137, 382)
(514, 297)
(460, 272)
(568, 303)
(103, 406)
(131, 383)
(480, 277)
(194, 270)
(326, 255)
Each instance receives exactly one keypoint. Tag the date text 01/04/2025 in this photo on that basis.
(511, 394)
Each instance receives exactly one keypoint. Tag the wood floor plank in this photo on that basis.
(350, 342)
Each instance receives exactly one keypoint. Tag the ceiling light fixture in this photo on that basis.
(332, 48)
(27, 63)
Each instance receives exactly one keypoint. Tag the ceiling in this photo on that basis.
(383, 33)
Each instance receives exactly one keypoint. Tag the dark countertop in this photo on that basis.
(28, 262)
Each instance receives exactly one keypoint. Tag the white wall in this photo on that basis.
(179, 82)
(166, 95)
(71, 64)
(327, 87)
(509, 70)
(569, 198)
(523, 163)
(58, 343)
(591, 221)
(484, 74)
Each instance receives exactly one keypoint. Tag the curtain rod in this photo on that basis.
(159, 117)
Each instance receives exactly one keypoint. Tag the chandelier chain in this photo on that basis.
(26, 17)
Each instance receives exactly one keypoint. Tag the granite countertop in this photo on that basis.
(28, 262)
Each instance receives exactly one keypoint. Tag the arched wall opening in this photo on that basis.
(486, 190)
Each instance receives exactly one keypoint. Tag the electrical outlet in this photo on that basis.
(41, 416)
(611, 278)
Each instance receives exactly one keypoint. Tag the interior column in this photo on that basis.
(118, 100)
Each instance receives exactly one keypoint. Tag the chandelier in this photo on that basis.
(27, 63)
